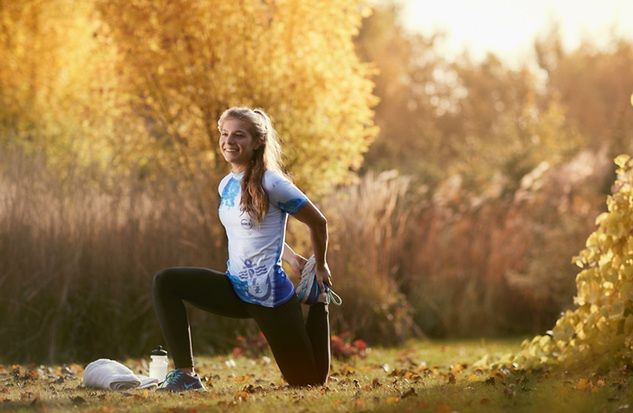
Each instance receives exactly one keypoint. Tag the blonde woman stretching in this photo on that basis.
(255, 201)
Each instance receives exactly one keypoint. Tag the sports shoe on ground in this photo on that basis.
(179, 380)
(308, 290)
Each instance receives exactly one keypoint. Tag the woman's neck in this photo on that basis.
(238, 168)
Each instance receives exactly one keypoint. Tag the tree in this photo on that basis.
(407, 66)
(594, 84)
(479, 120)
(57, 82)
(186, 61)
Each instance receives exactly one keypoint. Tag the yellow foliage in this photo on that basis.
(140, 85)
(186, 61)
(56, 81)
(600, 329)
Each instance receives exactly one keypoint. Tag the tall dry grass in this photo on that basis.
(500, 262)
(77, 256)
(77, 259)
(370, 221)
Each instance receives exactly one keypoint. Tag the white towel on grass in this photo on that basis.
(112, 375)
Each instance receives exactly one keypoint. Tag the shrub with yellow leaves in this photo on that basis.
(600, 329)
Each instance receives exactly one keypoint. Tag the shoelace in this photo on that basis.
(334, 297)
(172, 377)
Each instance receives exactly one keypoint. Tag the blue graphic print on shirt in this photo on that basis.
(257, 280)
(230, 192)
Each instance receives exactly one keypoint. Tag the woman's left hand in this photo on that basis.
(324, 276)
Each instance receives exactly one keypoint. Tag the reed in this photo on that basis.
(78, 252)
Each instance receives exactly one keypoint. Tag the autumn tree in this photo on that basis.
(481, 120)
(186, 61)
(406, 76)
(57, 82)
(594, 84)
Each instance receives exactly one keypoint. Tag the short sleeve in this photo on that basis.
(283, 194)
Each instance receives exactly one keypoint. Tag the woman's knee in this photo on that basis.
(304, 382)
(162, 278)
(304, 378)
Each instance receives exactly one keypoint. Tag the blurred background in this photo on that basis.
(461, 154)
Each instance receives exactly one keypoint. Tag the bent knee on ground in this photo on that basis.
(306, 381)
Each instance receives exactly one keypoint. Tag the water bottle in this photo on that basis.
(159, 364)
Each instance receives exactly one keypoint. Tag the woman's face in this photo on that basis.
(236, 143)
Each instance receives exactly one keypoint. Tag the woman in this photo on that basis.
(255, 200)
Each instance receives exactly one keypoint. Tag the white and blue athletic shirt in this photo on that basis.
(254, 265)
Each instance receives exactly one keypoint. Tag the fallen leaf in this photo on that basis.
(252, 389)
(346, 370)
(408, 393)
(583, 384)
(77, 400)
(392, 400)
(66, 370)
(245, 377)
(451, 378)
(473, 378)
(241, 396)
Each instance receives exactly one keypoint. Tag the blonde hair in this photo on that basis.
(254, 199)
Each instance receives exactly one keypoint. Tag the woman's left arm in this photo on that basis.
(316, 222)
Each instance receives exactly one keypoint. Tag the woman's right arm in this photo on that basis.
(294, 260)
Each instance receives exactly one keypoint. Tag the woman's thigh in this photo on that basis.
(204, 288)
(286, 334)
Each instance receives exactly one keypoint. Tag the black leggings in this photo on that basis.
(302, 351)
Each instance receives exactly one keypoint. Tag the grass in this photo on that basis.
(419, 376)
